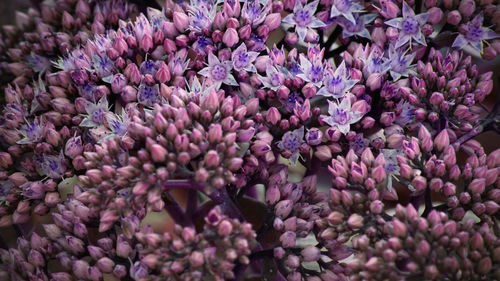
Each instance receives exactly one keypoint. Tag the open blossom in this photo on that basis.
(118, 124)
(358, 27)
(410, 26)
(178, 64)
(338, 83)
(198, 91)
(201, 16)
(148, 95)
(273, 79)
(341, 115)
(95, 113)
(255, 11)
(303, 18)
(291, 141)
(149, 67)
(243, 59)
(52, 166)
(32, 132)
(475, 34)
(391, 164)
(103, 65)
(346, 9)
(311, 72)
(219, 72)
(375, 63)
(400, 62)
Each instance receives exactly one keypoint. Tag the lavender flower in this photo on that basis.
(201, 16)
(118, 124)
(311, 72)
(273, 79)
(400, 63)
(243, 59)
(32, 133)
(290, 142)
(375, 63)
(475, 34)
(53, 166)
(337, 84)
(341, 115)
(391, 165)
(96, 113)
(219, 72)
(303, 18)
(178, 64)
(148, 95)
(409, 26)
(346, 9)
(149, 67)
(255, 11)
(198, 91)
(358, 27)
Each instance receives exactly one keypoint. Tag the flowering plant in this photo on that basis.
(275, 140)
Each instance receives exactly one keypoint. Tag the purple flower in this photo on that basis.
(475, 34)
(303, 18)
(375, 63)
(359, 143)
(255, 11)
(391, 164)
(142, 27)
(274, 79)
(311, 72)
(406, 113)
(198, 91)
(95, 113)
(148, 67)
(314, 136)
(409, 26)
(357, 28)
(101, 44)
(219, 72)
(200, 44)
(400, 63)
(118, 124)
(104, 66)
(345, 8)
(178, 64)
(38, 63)
(148, 95)
(291, 101)
(201, 16)
(32, 132)
(291, 142)
(337, 84)
(243, 59)
(52, 166)
(341, 115)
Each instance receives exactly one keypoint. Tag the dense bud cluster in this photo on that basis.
(277, 140)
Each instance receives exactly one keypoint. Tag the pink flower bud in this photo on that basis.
(435, 15)
(442, 140)
(283, 208)
(355, 221)
(273, 115)
(158, 153)
(273, 21)
(212, 159)
(454, 17)
(230, 37)
(181, 21)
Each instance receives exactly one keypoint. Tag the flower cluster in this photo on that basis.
(275, 140)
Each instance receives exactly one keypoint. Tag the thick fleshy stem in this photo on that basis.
(221, 197)
(175, 211)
